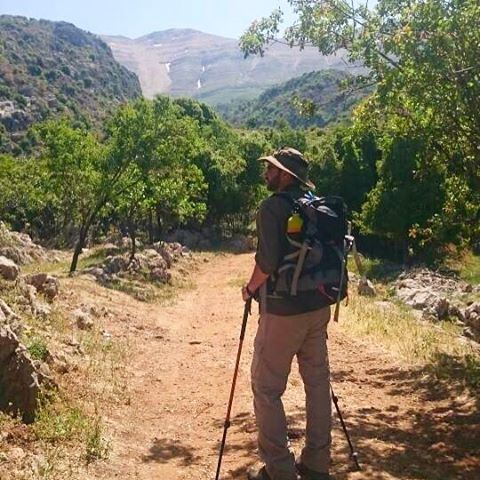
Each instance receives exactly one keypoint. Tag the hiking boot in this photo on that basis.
(255, 474)
(309, 474)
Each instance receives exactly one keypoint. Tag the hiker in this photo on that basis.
(288, 326)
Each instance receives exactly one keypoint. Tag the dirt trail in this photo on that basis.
(180, 370)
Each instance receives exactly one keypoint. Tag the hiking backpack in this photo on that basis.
(319, 231)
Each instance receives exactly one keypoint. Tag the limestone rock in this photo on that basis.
(161, 275)
(7, 312)
(82, 319)
(20, 382)
(44, 283)
(20, 248)
(241, 244)
(366, 288)
(115, 264)
(41, 309)
(8, 269)
(472, 319)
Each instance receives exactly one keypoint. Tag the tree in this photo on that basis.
(77, 177)
(422, 57)
(162, 179)
(22, 203)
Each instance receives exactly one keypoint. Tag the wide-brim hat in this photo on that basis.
(291, 161)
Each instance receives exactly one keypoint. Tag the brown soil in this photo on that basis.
(179, 372)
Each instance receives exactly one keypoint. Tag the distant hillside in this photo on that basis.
(51, 68)
(321, 90)
(185, 62)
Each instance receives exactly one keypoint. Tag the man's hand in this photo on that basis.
(246, 294)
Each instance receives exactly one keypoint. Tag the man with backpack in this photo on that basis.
(293, 321)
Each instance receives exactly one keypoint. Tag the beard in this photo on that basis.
(273, 182)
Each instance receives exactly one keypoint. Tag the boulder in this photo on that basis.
(161, 275)
(241, 244)
(455, 311)
(82, 319)
(8, 269)
(162, 249)
(41, 309)
(20, 382)
(36, 279)
(115, 264)
(186, 237)
(19, 247)
(44, 283)
(421, 298)
(7, 312)
(17, 255)
(366, 288)
(472, 319)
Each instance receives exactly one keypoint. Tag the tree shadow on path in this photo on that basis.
(164, 450)
(434, 437)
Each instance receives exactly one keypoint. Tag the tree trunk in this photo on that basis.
(83, 235)
(159, 223)
(133, 237)
(78, 249)
(150, 227)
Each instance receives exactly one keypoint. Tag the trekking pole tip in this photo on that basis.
(354, 457)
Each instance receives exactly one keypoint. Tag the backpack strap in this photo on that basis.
(298, 268)
(303, 247)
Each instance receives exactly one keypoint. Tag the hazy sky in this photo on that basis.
(134, 18)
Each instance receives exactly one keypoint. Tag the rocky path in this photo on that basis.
(182, 356)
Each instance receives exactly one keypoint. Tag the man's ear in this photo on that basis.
(287, 178)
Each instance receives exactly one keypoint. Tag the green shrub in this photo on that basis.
(38, 349)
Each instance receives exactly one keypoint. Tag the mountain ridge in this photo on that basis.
(211, 68)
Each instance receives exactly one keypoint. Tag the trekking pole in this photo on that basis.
(353, 453)
(226, 426)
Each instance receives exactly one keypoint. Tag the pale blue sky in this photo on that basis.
(134, 18)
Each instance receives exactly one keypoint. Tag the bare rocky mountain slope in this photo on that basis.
(209, 67)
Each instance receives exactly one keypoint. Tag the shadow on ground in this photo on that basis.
(164, 450)
(439, 439)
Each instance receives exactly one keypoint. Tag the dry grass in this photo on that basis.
(437, 346)
(68, 433)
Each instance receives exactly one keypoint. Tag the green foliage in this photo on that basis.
(38, 349)
(344, 163)
(44, 61)
(96, 446)
(163, 140)
(58, 421)
(71, 163)
(22, 203)
(159, 164)
(422, 57)
(467, 266)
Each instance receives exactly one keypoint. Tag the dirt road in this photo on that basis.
(180, 370)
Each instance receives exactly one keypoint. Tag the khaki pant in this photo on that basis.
(278, 340)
